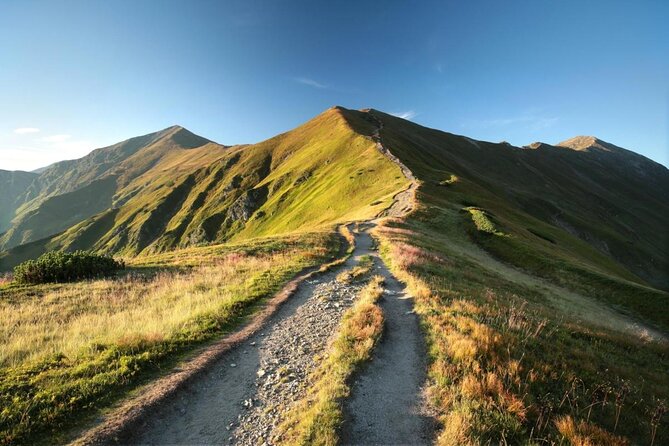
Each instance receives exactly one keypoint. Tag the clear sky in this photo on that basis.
(76, 75)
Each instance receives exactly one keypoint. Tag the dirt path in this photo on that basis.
(386, 405)
(403, 202)
(240, 398)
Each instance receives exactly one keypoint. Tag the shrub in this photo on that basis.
(56, 266)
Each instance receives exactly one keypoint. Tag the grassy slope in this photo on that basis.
(71, 349)
(529, 242)
(612, 207)
(506, 365)
(314, 176)
(12, 185)
(69, 192)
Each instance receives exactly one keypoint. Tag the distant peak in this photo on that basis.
(535, 145)
(183, 137)
(583, 143)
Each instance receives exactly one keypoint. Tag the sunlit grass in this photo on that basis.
(506, 369)
(66, 348)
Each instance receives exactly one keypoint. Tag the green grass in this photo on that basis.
(69, 350)
(482, 221)
(449, 181)
(312, 177)
(316, 419)
(507, 368)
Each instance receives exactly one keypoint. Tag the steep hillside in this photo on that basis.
(68, 192)
(12, 184)
(585, 202)
(316, 175)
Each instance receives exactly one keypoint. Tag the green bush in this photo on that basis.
(56, 266)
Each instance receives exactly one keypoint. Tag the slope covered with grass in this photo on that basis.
(69, 192)
(317, 175)
(615, 261)
(602, 208)
(12, 185)
(512, 363)
(67, 350)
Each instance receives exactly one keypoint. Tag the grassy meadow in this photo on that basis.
(508, 367)
(70, 348)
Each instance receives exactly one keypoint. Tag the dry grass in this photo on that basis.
(69, 348)
(504, 370)
(315, 419)
(583, 433)
(74, 320)
(358, 272)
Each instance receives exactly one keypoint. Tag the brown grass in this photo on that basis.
(316, 418)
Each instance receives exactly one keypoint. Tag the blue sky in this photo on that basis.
(76, 75)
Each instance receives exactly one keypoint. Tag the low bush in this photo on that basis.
(56, 266)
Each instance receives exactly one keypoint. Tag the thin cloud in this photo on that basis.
(310, 82)
(409, 114)
(26, 130)
(56, 138)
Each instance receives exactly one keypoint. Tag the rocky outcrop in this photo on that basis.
(246, 204)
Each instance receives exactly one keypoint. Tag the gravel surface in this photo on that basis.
(238, 399)
(287, 358)
(386, 405)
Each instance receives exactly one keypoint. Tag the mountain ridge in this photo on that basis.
(173, 188)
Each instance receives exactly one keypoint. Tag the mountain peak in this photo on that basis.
(584, 143)
(183, 137)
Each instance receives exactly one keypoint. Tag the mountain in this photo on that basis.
(12, 184)
(316, 175)
(583, 204)
(68, 192)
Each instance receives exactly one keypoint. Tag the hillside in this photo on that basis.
(12, 184)
(68, 192)
(316, 175)
(592, 204)
(583, 202)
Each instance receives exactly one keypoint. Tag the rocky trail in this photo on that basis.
(239, 396)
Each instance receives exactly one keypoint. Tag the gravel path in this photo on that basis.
(386, 405)
(240, 398)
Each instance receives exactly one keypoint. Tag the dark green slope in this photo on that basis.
(585, 203)
(69, 192)
(13, 184)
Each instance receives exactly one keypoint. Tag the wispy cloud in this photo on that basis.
(409, 114)
(310, 82)
(26, 130)
(55, 138)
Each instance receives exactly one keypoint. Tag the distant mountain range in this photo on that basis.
(584, 201)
